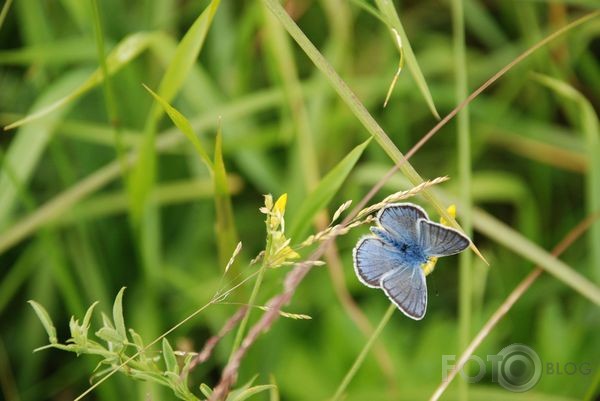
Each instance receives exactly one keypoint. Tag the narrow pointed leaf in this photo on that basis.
(128, 49)
(227, 238)
(29, 144)
(184, 126)
(118, 314)
(186, 54)
(142, 177)
(324, 192)
(88, 316)
(110, 335)
(204, 389)
(241, 395)
(44, 317)
(169, 357)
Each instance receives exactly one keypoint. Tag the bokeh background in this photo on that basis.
(73, 229)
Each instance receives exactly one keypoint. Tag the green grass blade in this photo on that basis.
(227, 237)
(324, 192)
(142, 177)
(588, 123)
(171, 193)
(30, 143)
(169, 357)
(60, 51)
(464, 175)
(118, 318)
(4, 12)
(127, 50)
(282, 54)
(388, 11)
(519, 244)
(44, 317)
(64, 201)
(358, 109)
(110, 98)
(185, 56)
(185, 127)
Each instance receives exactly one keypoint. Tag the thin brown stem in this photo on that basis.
(514, 296)
(212, 342)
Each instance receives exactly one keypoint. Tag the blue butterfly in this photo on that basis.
(392, 259)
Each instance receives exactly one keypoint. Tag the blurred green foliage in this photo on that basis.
(70, 231)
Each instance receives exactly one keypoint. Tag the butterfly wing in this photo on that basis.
(372, 259)
(439, 240)
(400, 220)
(405, 286)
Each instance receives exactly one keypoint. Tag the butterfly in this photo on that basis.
(403, 242)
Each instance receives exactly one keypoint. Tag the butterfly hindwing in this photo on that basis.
(439, 240)
(372, 259)
(405, 286)
(400, 220)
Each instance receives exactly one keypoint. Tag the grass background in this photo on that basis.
(524, 152)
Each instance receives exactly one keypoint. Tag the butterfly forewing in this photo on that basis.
(400, 220)
(438, 240)
(406, 288)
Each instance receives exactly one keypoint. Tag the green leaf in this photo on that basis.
(587, 122)
(515, 241)
(184, 126)
(186, 55)
(206, 390)
(324, 192)
(4, 12)
(142, 177)
(110, 335)
(75, 330)
(44, 317)
(388, 11)
(246, 391)
(85, 325)
(169, 357)
(150, 377)
(187, 362)
(128, 49)
(118, 315)
(29, 144)
(139, 344)
(227, 238)
(137, 339)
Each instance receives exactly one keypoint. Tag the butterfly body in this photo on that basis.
(407, 249)
(393, 258)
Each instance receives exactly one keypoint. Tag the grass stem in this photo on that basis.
(363, 354)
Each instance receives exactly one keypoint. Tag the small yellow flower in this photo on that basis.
(280, 204)
(278, 251)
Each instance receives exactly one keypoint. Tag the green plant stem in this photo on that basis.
(4, 11)
(363, 354)
(464, 174)
(109, 95)
(242, 328)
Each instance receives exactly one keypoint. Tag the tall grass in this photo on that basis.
(100, 188)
